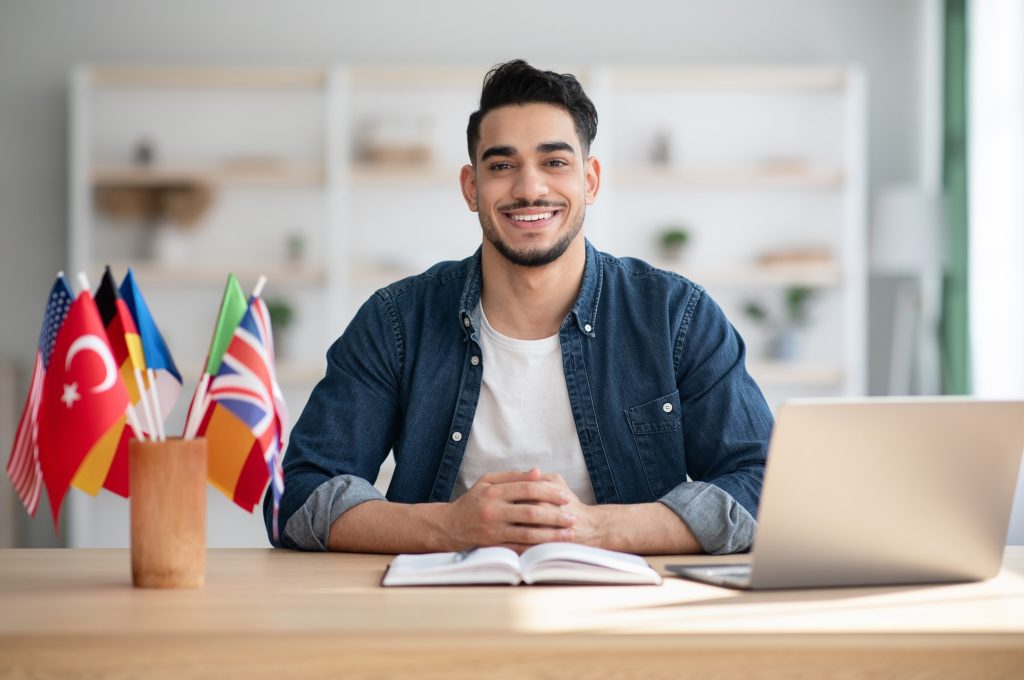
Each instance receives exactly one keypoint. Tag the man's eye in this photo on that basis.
(498, 167)
(557, 163)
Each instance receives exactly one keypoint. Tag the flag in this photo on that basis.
(245, 429)
(232, 309)
(106, 463)
(83, 397)
(155, 352)
(23, 463)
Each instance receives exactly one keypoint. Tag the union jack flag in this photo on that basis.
(23, 464)
(246, 385)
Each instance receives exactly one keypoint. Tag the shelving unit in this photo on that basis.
(754, 161)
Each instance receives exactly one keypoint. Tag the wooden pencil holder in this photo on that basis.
(168, 510)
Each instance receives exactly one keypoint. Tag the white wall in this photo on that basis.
(40, 40)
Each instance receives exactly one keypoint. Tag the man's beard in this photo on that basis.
(534, 257)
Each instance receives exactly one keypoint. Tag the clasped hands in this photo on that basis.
(518, 510)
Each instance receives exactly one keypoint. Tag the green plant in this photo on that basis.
(796, 303)
(281, 313)
(674, 237)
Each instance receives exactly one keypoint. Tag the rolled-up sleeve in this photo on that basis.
(310, 525)
(716, 520)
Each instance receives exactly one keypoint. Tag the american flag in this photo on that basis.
(23, 464)
(246, 385)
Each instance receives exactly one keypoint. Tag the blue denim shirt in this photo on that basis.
(664, 407)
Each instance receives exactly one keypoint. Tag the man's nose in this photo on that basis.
(530, 184)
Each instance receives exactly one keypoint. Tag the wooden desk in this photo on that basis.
(266, 613)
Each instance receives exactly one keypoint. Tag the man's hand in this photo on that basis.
(513, 509)
(588, 528)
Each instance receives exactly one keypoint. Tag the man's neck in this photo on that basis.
(529, 303)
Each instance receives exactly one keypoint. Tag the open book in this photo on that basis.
(544, 563)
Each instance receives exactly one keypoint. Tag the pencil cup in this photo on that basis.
(168, 501)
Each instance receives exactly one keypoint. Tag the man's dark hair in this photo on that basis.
(516, 82)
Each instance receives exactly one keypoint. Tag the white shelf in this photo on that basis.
(214, 77)
(383, 173)
(824, 275)
(796, 373)
(802, 178)
(823, 78)
(206, 275)
(260, 175)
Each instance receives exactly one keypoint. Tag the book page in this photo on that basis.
(574, 563)
(486, 565)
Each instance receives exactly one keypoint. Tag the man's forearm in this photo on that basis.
(379, 526)
(643, 529)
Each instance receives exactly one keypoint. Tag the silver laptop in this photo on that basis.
(882, 491)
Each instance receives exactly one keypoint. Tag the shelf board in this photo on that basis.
(255, 175)
(796, 373)
(804, 178)
(209, 274)
(383, 173)
(263, 77)
(290, 373)
(816, 275)
(823, 78)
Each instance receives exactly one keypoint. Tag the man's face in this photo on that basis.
(531, 183)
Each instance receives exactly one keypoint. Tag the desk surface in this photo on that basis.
(282, 613)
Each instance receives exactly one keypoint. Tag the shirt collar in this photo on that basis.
(583, 312)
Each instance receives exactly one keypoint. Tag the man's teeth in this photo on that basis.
(531, 218)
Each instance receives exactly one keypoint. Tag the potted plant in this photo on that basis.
(672, 242)
(784, 331)
(282, 314)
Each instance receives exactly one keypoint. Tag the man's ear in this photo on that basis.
(467, 178)
(592, 177)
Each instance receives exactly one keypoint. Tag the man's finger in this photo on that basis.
(530, 492)
(540, 516)
(532, 474)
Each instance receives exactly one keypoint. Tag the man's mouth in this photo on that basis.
(535, 217)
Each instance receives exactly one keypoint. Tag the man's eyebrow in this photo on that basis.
(498, 151)
(551, 147)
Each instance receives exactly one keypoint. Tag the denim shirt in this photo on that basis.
(663, 404)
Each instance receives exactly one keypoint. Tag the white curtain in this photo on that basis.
(996, 206)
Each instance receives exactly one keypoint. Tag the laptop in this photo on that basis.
(882, 491)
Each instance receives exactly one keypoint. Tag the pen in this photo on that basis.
(463, 554)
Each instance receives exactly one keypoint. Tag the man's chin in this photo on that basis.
(531, 257)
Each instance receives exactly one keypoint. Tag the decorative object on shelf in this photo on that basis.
(661, 149)
(282, 314)
(394, 140)
(181, 203)
(672, 242)
(783, 344)
(145, 152)
(295, 248)
(796, 256)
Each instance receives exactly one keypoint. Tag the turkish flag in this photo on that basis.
(83, 397)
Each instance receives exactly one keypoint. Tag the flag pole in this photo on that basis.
(160, 433)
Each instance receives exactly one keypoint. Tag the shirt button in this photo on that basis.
(456, 436)
(588, 327)
(465, 321)
(666, 407)
(475, 361)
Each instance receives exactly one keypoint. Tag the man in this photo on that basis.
(538, 391)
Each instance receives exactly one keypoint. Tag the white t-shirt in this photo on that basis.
(523, 418)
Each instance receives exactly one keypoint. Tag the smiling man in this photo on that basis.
(539, 390)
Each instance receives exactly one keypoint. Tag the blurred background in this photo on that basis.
(844, 176)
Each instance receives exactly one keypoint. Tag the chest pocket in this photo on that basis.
(657, 428)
